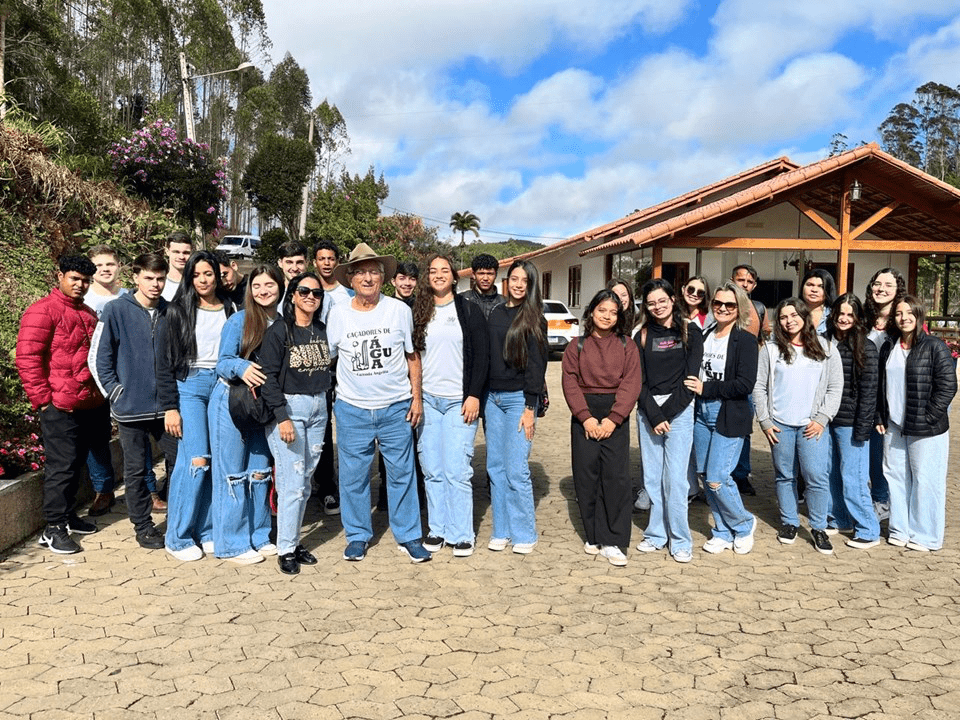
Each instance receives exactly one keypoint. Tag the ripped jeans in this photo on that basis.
(189, 496)
(241, 481)
(295, 464)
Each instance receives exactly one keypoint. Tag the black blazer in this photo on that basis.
(739, 376)
(476, 346)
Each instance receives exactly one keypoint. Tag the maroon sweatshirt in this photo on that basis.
(606, 367)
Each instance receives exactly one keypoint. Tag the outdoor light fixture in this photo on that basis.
(856, 190)
(185, 79)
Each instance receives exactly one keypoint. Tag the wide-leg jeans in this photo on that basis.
(508, 456)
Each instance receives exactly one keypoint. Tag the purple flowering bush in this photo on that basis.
(172, 172)
(23, 451)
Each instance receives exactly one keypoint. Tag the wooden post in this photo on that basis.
(843, 254)
(913, 265)
(657, 256)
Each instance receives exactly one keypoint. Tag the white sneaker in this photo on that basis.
(916, 546)
(717, 545)
(744, 544)
(188, 554)
(207, 547)
(250, 557)
(614, 555)
(647, 546)
(524, 548)
(882, 510)
(498, 544)
(683, 556)
(591, 549)
(267, 550)
(643, 500)
(897, 541)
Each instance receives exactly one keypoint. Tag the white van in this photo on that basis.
(239, 246)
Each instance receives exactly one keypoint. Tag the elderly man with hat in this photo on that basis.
(378, 400)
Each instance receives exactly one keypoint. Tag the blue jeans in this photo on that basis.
(916, 469)
(793, 454)
(358, 431)
(241, 481)
(446, 451)
(879, 488)
(189, 498)
(716, 457)
(295, 463)
(100, 467)
(666, 462)
(508, 455)
(851, 505)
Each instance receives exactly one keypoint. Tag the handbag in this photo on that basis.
(247, 406)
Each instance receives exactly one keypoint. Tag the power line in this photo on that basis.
(485, 230)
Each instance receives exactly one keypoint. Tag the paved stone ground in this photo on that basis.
(120, 632)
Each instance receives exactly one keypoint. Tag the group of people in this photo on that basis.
(853, 398)
(241, 379)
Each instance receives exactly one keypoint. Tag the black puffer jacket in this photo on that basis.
(931, 380)
(858, 405)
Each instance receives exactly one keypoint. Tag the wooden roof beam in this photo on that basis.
(815, 218)
(873, 219)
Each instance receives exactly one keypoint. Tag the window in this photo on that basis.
(547, 283)
(573, 286)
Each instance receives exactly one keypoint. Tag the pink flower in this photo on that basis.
(34, 466)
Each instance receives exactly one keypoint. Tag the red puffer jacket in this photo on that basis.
(52, 348)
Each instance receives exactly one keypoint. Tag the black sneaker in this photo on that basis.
(331, 506)
(433, 543)
(462, 549)
(787, 534)
(151, 538)
(80, 526)
(822, 542)
(57, 539)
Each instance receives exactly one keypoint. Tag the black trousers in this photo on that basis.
(134, 440)
(324, 477)
(67, 438)
(601, 478)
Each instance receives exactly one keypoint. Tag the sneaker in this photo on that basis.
(643, 500)
(862, 544)
(498, 544)
(267, 550)
(591, 549)
(683, 556)
(896, 541)
(150, 539)
(821, 542)
(744, 543)
(882, 510)
(207, 547)
(614, 555)
(745, 486)
(288, 564)
(79, 526)
(433, 543)
(831, 531)
(250, 557)
(524, 548)
(717, 545)
(356, 551)
(647, 546)
(188, 554)
(787, 534)
(331, 506)
(415, 551)
(57, 539)
(462, 549)
(916, 546)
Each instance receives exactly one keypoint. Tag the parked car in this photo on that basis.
(562, 326)
(239, 246)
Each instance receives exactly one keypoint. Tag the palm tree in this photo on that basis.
(465, 222)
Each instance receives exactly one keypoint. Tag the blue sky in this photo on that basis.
(549, 117)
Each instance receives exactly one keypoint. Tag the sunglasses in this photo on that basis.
(728, 306)
(304, 291)
(690, 290)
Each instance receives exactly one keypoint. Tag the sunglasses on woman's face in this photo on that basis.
(304, 291)
(693, 292)
(728, 306)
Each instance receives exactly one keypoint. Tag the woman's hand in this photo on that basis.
(694, 384)
(590, 427)
(252, 376)
(607, 426)
(415, 413)
(662, 429)
(881, 429)
(528, 422)
(287, 433)
(172, 423)
(470, 410)
(772, 435)
(813, 431)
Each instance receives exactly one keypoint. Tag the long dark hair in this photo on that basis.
(919, 312)
(621, 326)
(829, 286)
(873, 310)
(856, 337)
(704, 305)
(182, 313)
(255, 319)
(424, 307)
(808, 335)
(289, 312)
(528, 320)
(630, 312)
(679, 320)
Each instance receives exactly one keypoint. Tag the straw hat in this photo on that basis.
(361, 253)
